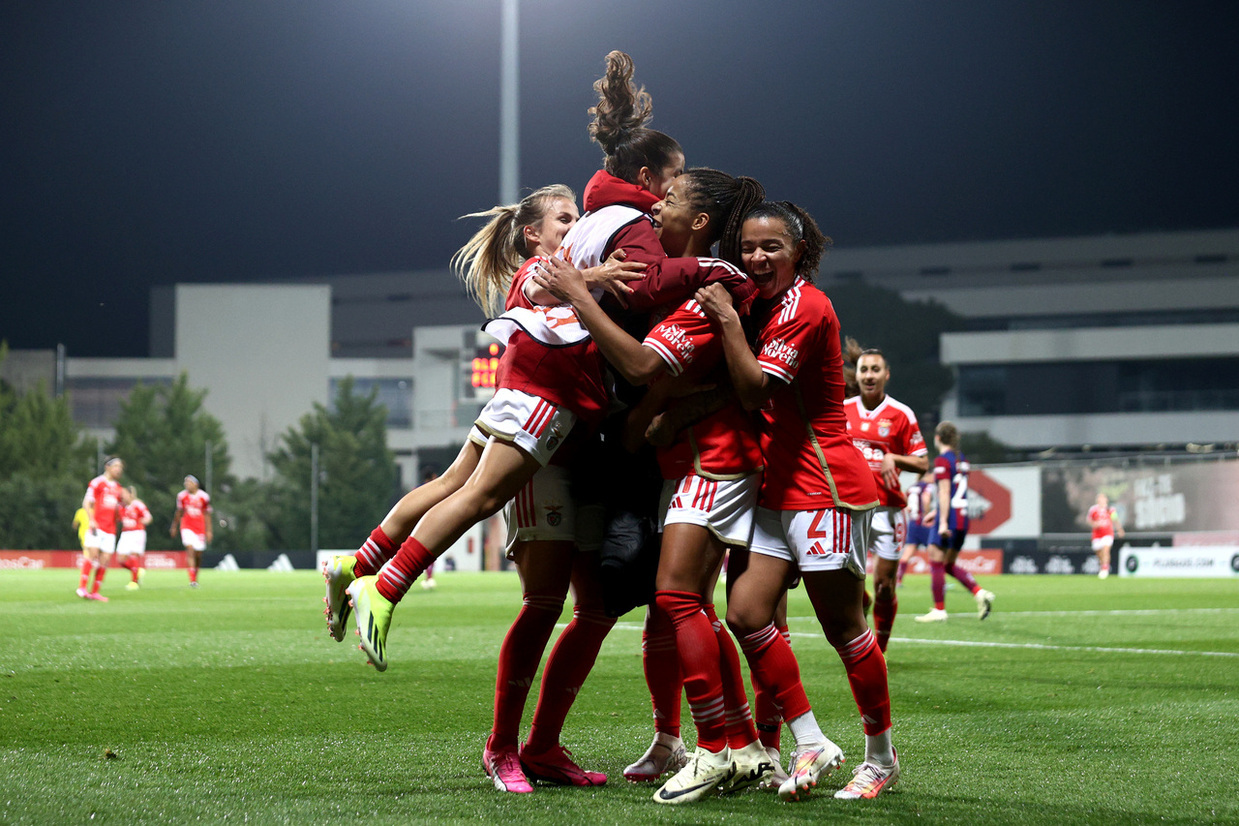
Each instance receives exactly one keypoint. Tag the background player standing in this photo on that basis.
(886, 433)
(193, 508)
(922, 519)
(131, 547)
(102, 503)
(1105, 521)
(951, 471)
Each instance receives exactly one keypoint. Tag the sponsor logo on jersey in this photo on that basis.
(779, 350)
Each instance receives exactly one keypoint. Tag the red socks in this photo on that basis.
(373, 553)
(99, 572)
(662, 671)
(396, 577)
(84, 579)
(698, 653)
(518, 663)
(739, 719)
(569, 664)
(774, 667)
(866, 669)
(884, 611)
(766, 712)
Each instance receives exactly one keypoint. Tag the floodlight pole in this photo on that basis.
(509, 114)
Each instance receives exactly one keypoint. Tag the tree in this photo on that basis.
(44, 467)
(162, 433)
(357, 473)
(907, 332)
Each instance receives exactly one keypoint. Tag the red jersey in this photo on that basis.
(103, 500)
(193, 508)
(1102, 520)
(725, 444)
(811, 464)
(664, 280)
(889, 428)
(134, 515)
(567, 375)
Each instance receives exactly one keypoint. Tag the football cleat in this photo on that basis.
(985, 603)
(96, 596)
(141, 574)
(373, 612)
(750, 766)
(936, 615)
(704, 772)
(83, 593)
(1103, 573)
(779, 775)
(429, 584)
(132, 586)
(870, 780)
(193, 584)
(808, 766)
(556, 767)
(338, 573)
(665, 754)
(503, 767)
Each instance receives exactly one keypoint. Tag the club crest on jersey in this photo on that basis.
(553, 515)
(884, 428)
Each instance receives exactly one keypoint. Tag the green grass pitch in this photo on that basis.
(1077, 701)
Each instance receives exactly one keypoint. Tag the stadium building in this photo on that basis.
(1119, 342)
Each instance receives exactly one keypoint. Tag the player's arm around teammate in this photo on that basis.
(815, 500)
(712, 475)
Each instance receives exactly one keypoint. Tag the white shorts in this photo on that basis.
(887, 531)
(531, 423)
(825, 540)
(193, 541)
(1103, 542)
(105, 542)
(545, 511)
(131, 542)
(725, 508)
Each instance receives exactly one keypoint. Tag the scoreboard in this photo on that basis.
(479, 368)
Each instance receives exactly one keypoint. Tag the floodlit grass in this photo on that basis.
(1077, 701)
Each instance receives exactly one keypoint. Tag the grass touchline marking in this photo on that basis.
(1047, 647)
(1028, 645)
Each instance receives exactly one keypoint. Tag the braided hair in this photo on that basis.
(726, 200)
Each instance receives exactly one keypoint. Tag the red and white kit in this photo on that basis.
(1102, 520)
(891, 427)
(713, 469)
(103, 500)
(811, 464)
(194, 508)
(134, 517)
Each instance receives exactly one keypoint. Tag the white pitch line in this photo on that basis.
(1044, 647)
(1027, 645)
(1118, 612)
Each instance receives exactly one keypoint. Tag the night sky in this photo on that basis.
(243, 140)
